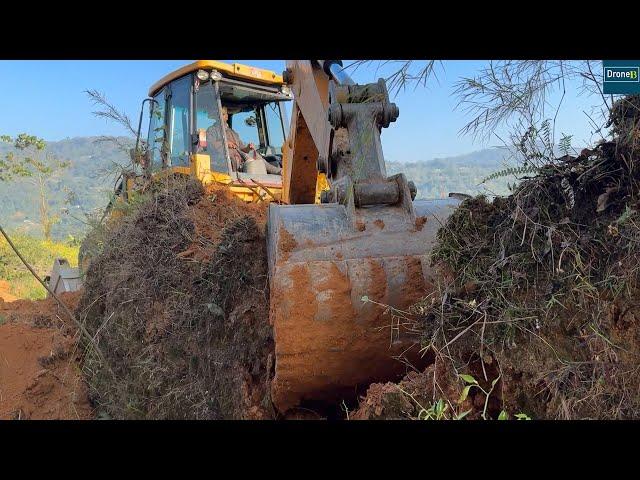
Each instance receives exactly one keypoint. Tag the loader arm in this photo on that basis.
(309, 130)
(336, 260)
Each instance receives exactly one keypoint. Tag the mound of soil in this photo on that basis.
(538, 292)
(40, 376)
(178, 303)
(410, 398)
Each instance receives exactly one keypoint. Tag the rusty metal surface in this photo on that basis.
(322, 261)
(299, 173)
(309, 131)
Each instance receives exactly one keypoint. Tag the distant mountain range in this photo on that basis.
(462, 174)
(94, 163)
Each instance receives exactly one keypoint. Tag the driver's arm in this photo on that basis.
(244, 147)
(235, 141)
(215, 142)
(247, 148)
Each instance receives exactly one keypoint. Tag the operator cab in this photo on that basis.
(253, 115)
(186, 119)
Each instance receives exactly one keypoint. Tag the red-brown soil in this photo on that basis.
(216, 209)
(5, 288)
(40, 376)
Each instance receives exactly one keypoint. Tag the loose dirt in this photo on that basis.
(420, 221)
(40, 376)
(5, 288)
(536, 298)
(287, 243)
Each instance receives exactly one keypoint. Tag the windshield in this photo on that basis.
(275, 126)
(179, 109)
(256, 115)
(253, 123)
(209, 128)
(156, 140)
(246, 125)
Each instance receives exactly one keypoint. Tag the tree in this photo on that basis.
(32, 162)
(109, 112)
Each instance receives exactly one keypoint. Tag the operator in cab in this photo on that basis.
(241, 155)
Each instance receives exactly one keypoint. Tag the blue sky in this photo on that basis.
(46, 98)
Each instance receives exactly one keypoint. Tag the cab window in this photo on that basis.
(275, 127)
(247, 125)
(179, 113)
(209, 136)
(156, 139)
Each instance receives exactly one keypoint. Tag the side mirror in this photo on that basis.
(250, 121)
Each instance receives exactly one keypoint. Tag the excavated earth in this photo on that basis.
(40, 372)
(178, 303)
(5, 292)
(537, 309)
(534, 312)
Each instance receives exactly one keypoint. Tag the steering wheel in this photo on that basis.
(274, 159)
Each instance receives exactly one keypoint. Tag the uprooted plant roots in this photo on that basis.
(543, 284)
(537, 296)
(178, 303)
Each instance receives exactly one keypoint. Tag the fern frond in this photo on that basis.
(546, 131)
(565, 144)
(512, 171)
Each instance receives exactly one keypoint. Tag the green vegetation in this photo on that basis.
(32, 162)
(84, 187)
(40, 254)
(541, 286)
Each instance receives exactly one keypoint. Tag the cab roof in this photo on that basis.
(234, 70)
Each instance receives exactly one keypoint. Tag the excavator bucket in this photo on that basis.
(334, 271)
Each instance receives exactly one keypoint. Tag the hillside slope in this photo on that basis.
(90, 177)
(93, 166)
(463, 173)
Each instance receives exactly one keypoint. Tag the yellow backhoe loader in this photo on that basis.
(346, 242)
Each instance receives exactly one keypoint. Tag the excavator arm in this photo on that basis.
(309, 131)
(336, 267)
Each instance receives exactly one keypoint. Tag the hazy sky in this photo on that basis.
(46, 98)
